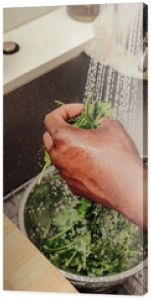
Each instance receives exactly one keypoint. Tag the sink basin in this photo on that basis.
(24, 111)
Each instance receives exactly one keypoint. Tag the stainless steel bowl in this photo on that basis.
(92, 284)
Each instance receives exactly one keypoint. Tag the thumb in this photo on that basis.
(57, 118)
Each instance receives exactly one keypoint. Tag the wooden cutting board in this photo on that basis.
(25, 268)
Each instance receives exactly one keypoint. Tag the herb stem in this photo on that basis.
(42, 174)
(46, 230)
(59, 234)
(68, 262)
(62, 248)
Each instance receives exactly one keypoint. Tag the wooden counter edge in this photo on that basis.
(26, 268)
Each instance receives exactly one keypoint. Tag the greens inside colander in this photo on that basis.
(75, 234)
(79, 236)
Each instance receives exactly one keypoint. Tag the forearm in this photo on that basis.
(132, 191)
(127, 192)
(133, 200)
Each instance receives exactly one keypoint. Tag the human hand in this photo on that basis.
(101, 164)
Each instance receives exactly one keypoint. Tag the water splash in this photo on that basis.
(107, 83)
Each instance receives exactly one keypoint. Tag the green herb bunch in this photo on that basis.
(91, 116)
(79, 236)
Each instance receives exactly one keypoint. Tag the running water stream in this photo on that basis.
(115, 51)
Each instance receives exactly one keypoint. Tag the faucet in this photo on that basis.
(143, 63)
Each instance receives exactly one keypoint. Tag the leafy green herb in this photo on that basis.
(79, 236)
(91, 116)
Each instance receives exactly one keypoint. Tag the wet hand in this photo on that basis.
(99, 164)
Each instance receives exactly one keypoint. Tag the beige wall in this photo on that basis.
(14, 17)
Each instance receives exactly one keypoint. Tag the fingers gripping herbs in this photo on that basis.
(91, 116)
(89, 119)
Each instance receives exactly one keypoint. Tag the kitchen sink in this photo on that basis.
(24, 111)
